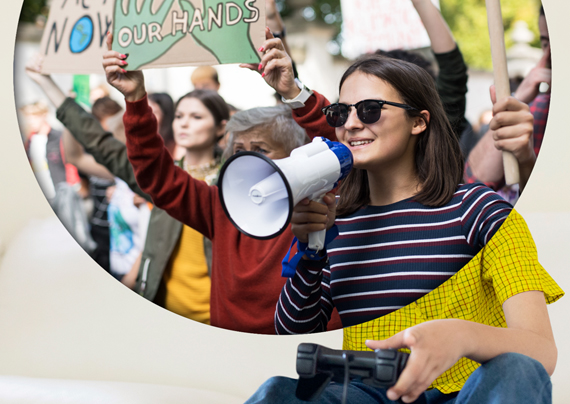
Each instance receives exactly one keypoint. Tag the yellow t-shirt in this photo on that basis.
(186, 277)
(506, 266)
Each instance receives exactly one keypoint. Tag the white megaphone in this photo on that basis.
(258, 194)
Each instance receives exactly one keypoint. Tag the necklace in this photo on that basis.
(206, 172)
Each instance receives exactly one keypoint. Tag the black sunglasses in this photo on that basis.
(368, 111)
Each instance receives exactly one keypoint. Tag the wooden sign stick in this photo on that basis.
(501, 76)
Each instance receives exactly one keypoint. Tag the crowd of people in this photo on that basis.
(418, 206)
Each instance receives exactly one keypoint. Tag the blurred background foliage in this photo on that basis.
(466, 18)
(468, 22)
(32, 9)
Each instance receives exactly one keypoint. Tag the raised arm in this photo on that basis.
(90, 145)
(277, 69)
(511, 129)
(541, 73)
(452, 77)
(104, 148)
(440, 35)
(46, 83)
(74, 154)
(171, 188)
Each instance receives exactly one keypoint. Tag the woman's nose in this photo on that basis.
(353, 123)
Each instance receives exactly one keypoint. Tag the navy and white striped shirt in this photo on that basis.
(386, 257)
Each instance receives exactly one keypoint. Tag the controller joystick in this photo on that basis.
(318, 365)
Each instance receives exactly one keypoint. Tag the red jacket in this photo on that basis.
(312, 119)
(246, 272)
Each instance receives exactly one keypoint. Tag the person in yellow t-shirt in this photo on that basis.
(200, 119)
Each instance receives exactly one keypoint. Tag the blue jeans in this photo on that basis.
(507, 379)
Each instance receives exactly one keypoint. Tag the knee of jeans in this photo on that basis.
(279, 384)
(518, 364)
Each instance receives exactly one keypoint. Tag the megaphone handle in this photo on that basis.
(317, 238)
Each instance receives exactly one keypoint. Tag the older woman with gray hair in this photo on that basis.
(271, 131)
(246, 273)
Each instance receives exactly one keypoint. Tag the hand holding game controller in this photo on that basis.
(317, 366)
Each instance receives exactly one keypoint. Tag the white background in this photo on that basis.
(87, 326)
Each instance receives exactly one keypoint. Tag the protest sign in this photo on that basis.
(74, 36)
(164, 33)
(155, 33)
(369, 25)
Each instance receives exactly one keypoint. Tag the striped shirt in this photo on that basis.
(386, 257)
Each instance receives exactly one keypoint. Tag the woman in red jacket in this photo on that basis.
(246, 272)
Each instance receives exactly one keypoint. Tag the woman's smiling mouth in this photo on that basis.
(356, 143)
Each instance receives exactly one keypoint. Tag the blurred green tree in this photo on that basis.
(467, 20)
(32, 9)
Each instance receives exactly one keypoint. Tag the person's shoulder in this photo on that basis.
(475, 187)
(362, 211)
(479, 194)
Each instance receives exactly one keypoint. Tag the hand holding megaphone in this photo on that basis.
(258, 194)
(313, 218)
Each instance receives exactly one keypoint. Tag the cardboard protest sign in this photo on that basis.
(155, 33)
(163, 33)
(369, 25)
(74, 36)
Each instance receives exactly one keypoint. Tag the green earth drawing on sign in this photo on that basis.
(222, 28)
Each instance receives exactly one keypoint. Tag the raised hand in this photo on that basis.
(276, 67)
(512, 127)
(226, 43)
(143, 24)
(512, 130)
(541, 73)
(46, 83)
(34, 68)
(311, 216)
(130, 84)
(436, 346)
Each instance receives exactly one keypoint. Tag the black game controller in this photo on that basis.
(317, 366)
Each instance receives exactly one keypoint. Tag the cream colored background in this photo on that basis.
(87, 326)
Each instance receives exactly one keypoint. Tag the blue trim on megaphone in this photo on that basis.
(343, 154)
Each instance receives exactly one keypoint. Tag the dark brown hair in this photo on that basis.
(105, 107)
(438, 159)
(217, 107)
(211, 100)
(166, 105)
(409, 56)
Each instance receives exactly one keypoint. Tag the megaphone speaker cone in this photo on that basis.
(255, 195)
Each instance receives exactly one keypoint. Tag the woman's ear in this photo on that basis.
(421, 122)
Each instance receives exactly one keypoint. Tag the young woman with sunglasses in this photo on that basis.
(406, 226)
